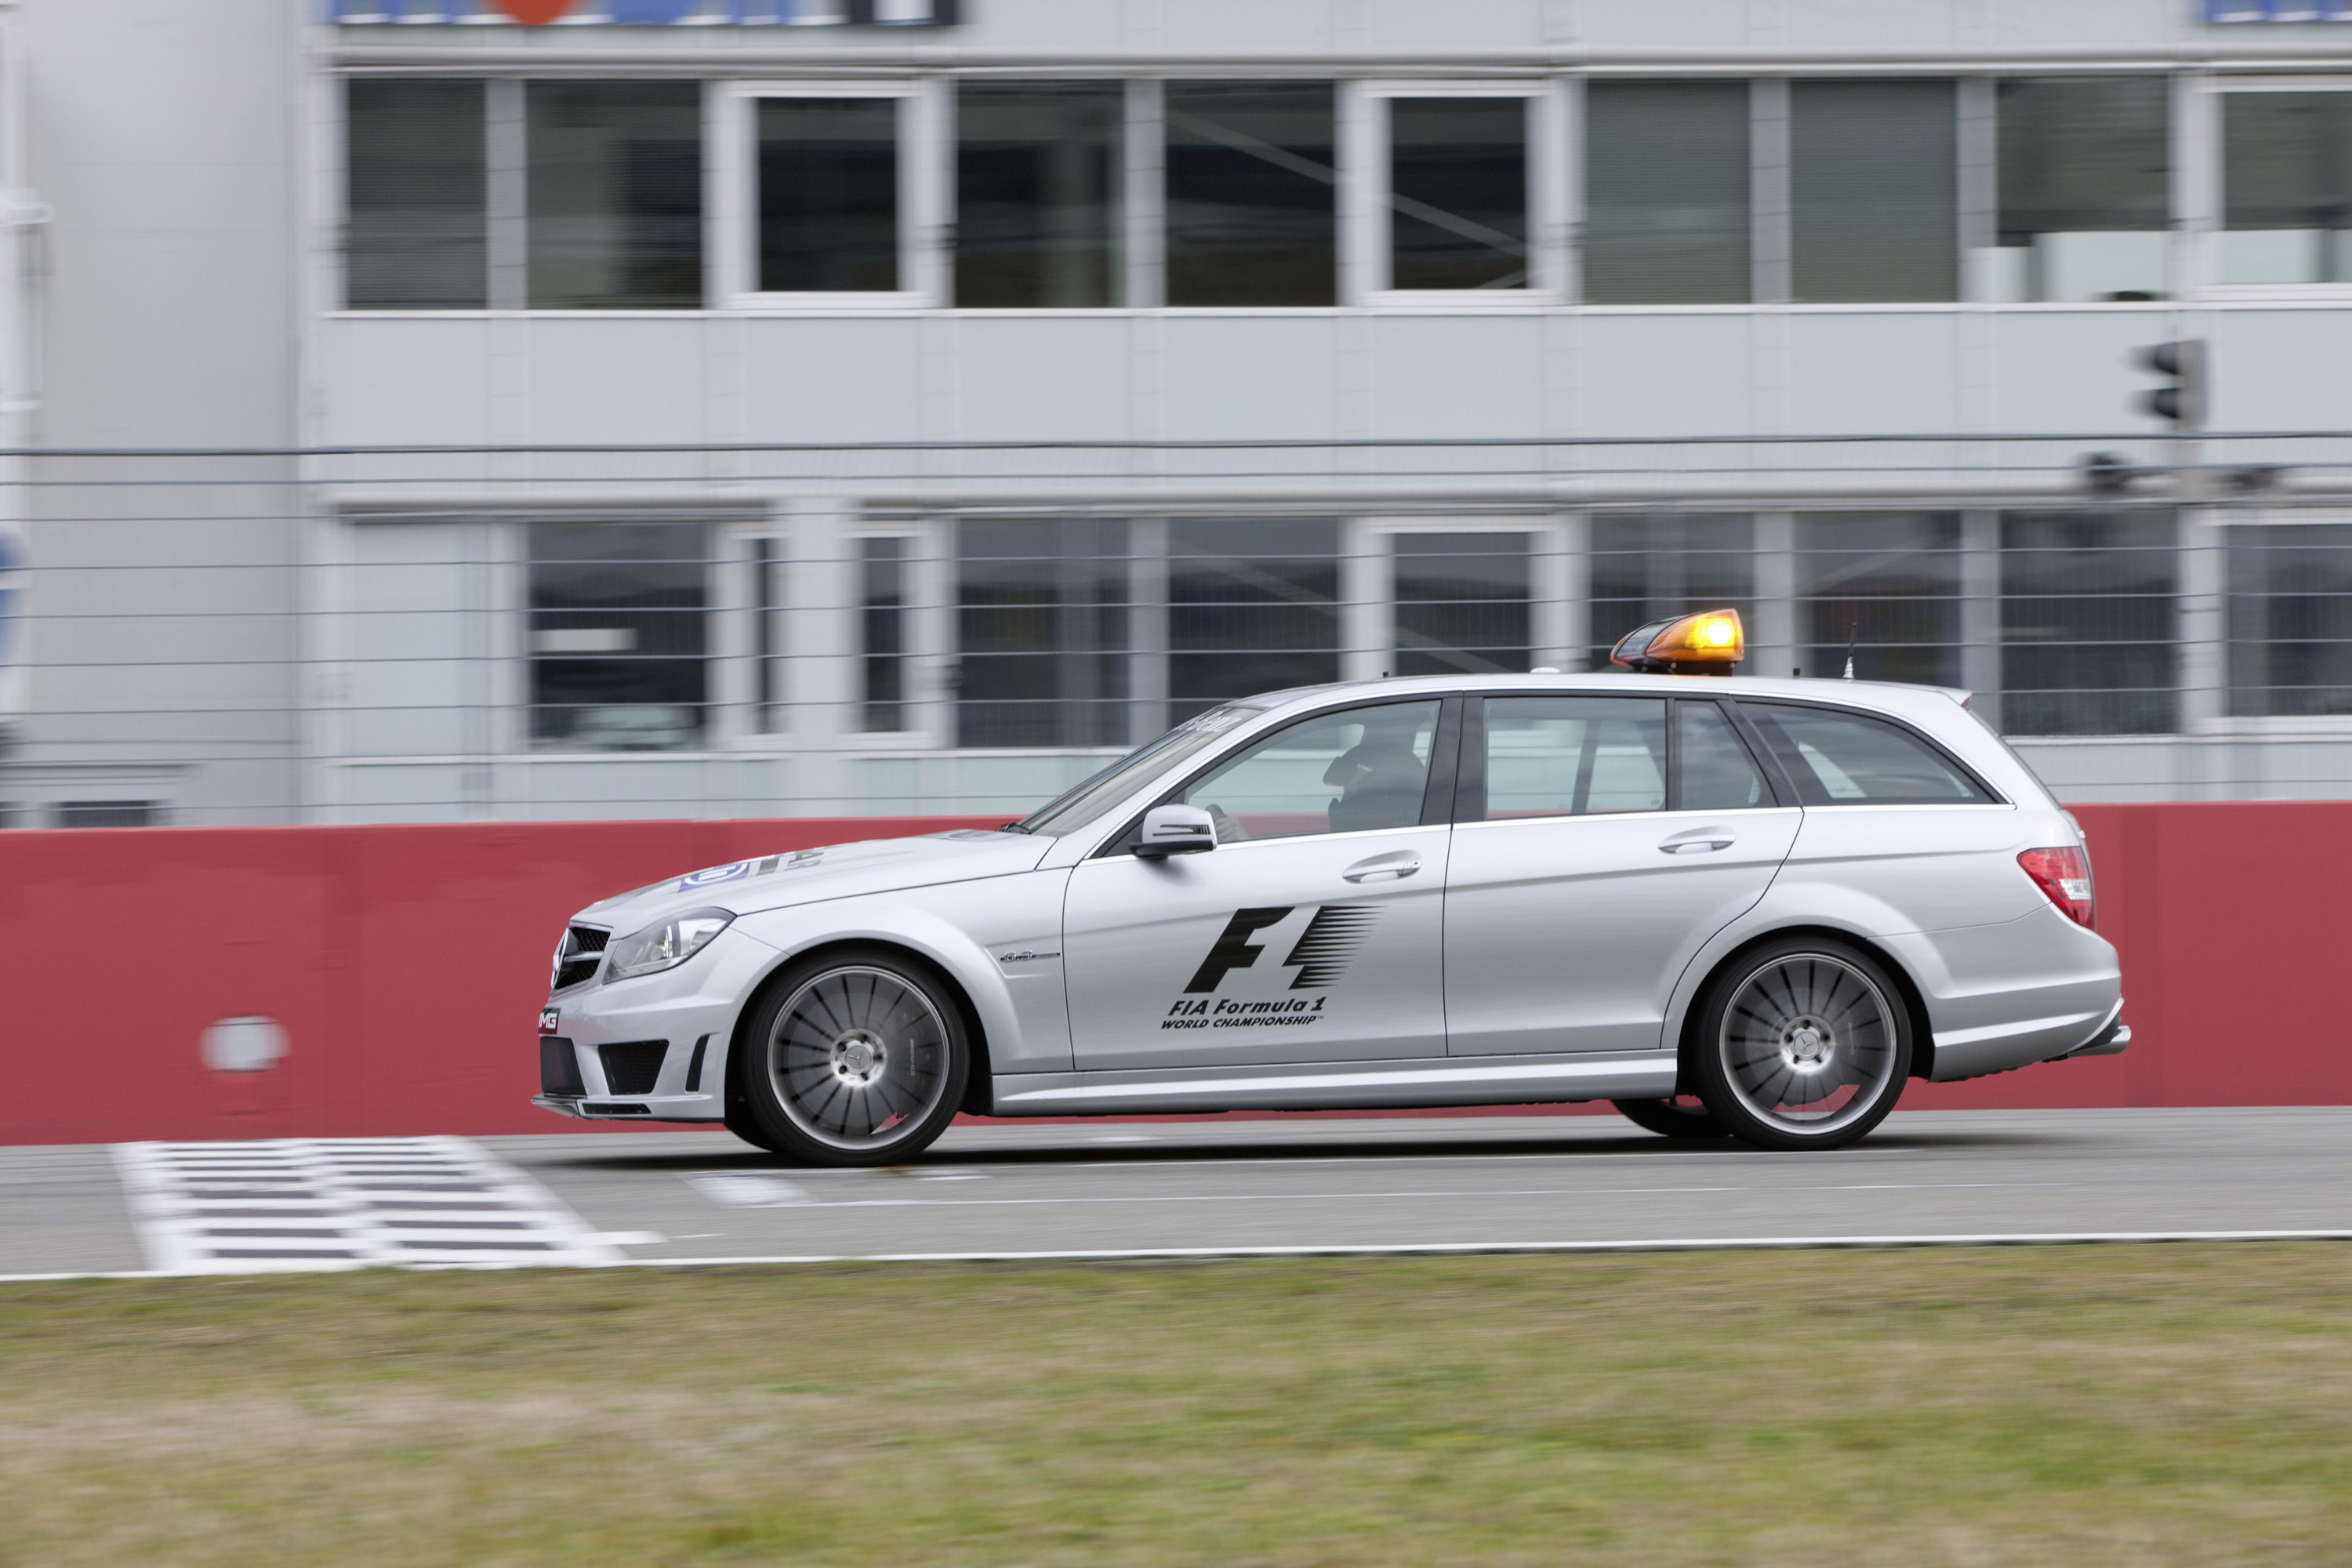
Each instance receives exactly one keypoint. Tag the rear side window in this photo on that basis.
(1574, 756)
(1849, 759)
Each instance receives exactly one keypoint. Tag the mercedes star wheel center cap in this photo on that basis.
(857, 1057)
(1806, 1048)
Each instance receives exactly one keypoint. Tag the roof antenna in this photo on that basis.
(1852, 629)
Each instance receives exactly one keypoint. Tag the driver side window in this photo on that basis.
(1336, 772)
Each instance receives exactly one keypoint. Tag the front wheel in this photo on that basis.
(855, 1058)
(1680, 1117)
(1803, 1043)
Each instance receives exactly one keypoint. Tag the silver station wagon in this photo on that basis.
(1749, 908)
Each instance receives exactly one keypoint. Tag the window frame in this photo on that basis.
(1437, 795)
(1785, 784)
(926, 132)
(1366, 214)
(2213, 133)
(1470, 772)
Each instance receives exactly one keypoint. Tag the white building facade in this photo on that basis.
(684, 407)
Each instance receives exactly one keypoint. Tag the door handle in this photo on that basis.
(1393, 866)
(1696, 842)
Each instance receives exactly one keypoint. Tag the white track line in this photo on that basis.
(1369, 1249)
(310, 1203)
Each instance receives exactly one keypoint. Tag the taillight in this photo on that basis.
(2064, 873)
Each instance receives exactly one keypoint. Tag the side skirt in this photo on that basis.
(1463, 1080)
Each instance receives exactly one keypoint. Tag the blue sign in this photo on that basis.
(2278, 10)
(648, 13)
(12, 560)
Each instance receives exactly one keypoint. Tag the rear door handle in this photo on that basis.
(1395, 866)
(1697, 843)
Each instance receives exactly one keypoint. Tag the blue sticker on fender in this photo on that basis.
(716, 875)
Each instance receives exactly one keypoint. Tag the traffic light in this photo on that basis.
(2182, 402)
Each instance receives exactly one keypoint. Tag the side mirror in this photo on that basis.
(1175, 830)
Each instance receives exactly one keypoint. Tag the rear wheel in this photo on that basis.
(1682, 1116)
(855, 1058)
(1803, 1043)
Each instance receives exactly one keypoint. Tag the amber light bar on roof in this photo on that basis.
(1711, 642)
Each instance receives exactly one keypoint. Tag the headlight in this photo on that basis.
(664, 946)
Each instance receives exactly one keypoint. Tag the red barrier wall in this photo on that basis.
(407, 964)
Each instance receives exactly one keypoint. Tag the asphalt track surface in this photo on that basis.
(1232, 1187)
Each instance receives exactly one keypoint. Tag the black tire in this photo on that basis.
(1803, 1043)
(739, 1121)
(1682, 1117)
(858, 1057)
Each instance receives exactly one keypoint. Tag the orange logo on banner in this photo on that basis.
(534, 13)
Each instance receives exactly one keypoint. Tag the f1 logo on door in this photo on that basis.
(1321, 954)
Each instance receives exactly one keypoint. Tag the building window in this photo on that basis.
(1874, 190)
(1253, 605)
(1645, 567)
(1460, 603)
(2286, 187)
(771, 689)
(615, 195)
(1458, 193)
(2086, 173)
(1884, 584)
(828, 173)
(109, 814)
(1042, 628)
(2086, 624)
(1038, 215)
(882, 625)
(618, 639)
(1666, 190)
(1250, 194)
(417, 234)
(2291, 620)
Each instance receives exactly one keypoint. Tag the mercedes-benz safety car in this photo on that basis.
(1753, 908)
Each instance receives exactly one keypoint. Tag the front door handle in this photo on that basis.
(1395, 866)
(1698, 843)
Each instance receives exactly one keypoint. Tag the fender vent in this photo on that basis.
(633, 1067)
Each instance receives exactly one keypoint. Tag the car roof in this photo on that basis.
(1885, 696)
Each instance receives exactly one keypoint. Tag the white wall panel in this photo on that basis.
(1434, 376)
(626, 380)
(2072, 371)
(1052, 377)
(1453, 23)
(389, 381)
(1238, 378)
(1223, 24)
(1651, 24)
(2280, 370)
(1666, 375)
(1873, 23)
(2019, 23)
(1874, 372)
(812, 379)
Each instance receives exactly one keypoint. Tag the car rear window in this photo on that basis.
(1851, 759)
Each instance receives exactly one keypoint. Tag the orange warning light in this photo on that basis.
(1708, 643)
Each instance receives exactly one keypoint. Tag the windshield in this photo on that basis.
(1093, 796)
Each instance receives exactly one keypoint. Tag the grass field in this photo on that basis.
(2083, 1406)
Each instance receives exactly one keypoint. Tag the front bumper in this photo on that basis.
(648, 1049)
(632, 1107)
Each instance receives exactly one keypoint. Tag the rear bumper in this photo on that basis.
(2110, 1041)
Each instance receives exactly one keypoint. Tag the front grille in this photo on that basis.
(559, 1067)
(577, 960)
(633, 1067)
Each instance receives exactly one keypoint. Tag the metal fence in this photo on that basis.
(476, 633)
